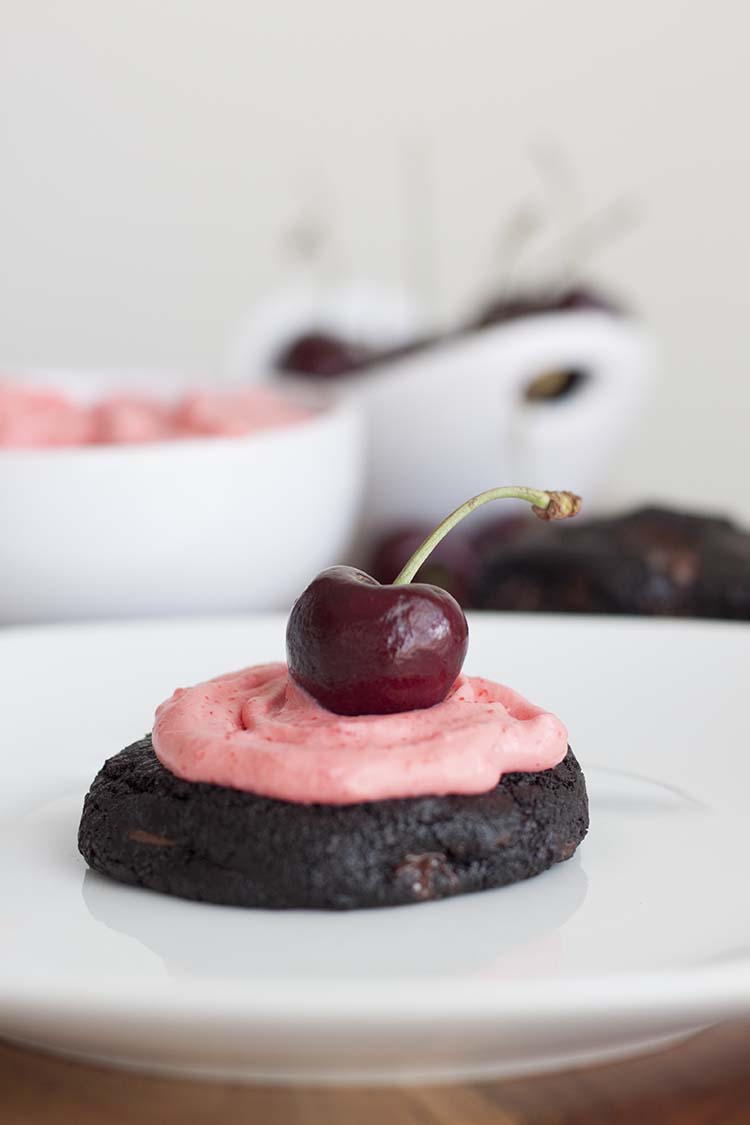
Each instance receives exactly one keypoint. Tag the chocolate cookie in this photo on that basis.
(652, 561)
(144, 826)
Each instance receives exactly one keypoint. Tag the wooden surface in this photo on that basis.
(703, 1082)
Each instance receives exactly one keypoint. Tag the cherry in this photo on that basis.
(514, 307)
(362, 648)
(323, 355)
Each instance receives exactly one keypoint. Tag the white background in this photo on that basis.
(153, 153)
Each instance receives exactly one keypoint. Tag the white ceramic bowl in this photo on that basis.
(199, 525)
(449, 421)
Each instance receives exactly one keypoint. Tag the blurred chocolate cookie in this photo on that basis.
(650, 561)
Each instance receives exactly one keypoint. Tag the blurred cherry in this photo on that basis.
(452, 565)
(322, 355)
(497, 534)
(576, 298)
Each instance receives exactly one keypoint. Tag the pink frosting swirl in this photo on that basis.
(258, 731)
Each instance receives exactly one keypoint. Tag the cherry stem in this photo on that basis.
(545, 505)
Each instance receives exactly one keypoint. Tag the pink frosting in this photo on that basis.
(257, 730)
(34, 418)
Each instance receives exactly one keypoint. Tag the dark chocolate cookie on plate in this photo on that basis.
(144, 826)
(652, 561)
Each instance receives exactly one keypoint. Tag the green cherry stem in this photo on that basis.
(545, 505)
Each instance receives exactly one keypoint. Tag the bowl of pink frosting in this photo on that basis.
(139, 496)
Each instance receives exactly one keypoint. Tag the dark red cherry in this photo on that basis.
(323, 355)
(360, 648)
(516, 306)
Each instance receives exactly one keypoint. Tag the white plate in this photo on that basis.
(641, 937)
